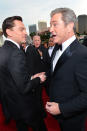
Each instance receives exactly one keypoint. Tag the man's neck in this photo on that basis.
(13, 42)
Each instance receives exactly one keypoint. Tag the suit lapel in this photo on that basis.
(66, 55)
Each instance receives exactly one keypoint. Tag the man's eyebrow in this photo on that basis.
(53, 22)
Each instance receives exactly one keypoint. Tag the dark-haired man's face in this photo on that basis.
(18, 32)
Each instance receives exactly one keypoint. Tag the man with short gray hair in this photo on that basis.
(68, 86)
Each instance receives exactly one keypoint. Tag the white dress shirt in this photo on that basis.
(50, 50)
(60, 52)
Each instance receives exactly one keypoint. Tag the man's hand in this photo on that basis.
(40, 52)
(53, 108)
(41, 75)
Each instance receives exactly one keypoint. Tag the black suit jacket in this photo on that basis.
(68, 85)
(17, 96)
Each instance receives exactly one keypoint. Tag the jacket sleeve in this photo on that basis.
(19, 72)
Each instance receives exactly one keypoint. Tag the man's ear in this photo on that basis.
(70, 26)
(9, 32)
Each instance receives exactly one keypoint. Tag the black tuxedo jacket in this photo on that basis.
(17, 96)
(68, 85)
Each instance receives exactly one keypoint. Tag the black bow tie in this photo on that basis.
(57, 47)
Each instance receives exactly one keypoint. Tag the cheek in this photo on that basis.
(61, 31)
(37, 45)
(18, 35)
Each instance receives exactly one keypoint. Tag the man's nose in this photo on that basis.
(51, 28)
(25, 32)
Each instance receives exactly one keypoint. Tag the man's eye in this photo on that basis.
(55, 24)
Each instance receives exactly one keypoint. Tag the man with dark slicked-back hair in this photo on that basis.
(16, 85)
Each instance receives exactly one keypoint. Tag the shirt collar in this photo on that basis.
(68, 42)
(13, 42)
(26, 48)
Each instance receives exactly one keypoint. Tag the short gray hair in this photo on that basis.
(68, 15)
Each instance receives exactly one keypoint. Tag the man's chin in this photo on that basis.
(55, 40)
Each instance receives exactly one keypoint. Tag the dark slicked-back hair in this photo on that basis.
(8, 23)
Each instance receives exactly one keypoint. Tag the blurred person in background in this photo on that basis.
(51, 45)
(42, 53)
(45, 44)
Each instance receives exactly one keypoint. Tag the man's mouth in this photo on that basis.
(51, 35)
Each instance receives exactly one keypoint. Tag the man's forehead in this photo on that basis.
(56, 16)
